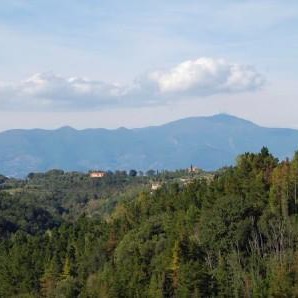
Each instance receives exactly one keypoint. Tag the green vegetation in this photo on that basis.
(231, 234)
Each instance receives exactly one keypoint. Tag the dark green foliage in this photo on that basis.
(133, 173)
(233, 234)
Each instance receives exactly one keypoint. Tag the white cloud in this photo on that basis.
(201, 77)
(206, 76)
(49, 91)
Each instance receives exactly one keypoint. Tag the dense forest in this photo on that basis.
(232, 233)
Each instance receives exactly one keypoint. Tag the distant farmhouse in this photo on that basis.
(97, 174)
(156, 185)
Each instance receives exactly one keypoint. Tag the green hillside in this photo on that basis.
(231, 233)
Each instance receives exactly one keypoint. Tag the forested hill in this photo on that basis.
(207, 142)
(232, 234)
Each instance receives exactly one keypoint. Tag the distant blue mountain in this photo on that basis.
(206, 142)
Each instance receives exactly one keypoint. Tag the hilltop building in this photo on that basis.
(156, 185)
(193, 169)
(97, 174)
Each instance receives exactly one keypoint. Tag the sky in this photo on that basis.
(138, 63)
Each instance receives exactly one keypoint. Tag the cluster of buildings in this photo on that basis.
(156, 184)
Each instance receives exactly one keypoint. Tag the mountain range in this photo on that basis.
(206, 142)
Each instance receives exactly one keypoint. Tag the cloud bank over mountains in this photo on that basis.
(193, 78)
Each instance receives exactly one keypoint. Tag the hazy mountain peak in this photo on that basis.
(206, 142)
(66, 128)
(229, 118)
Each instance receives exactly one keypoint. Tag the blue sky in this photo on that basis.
(137, 63)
